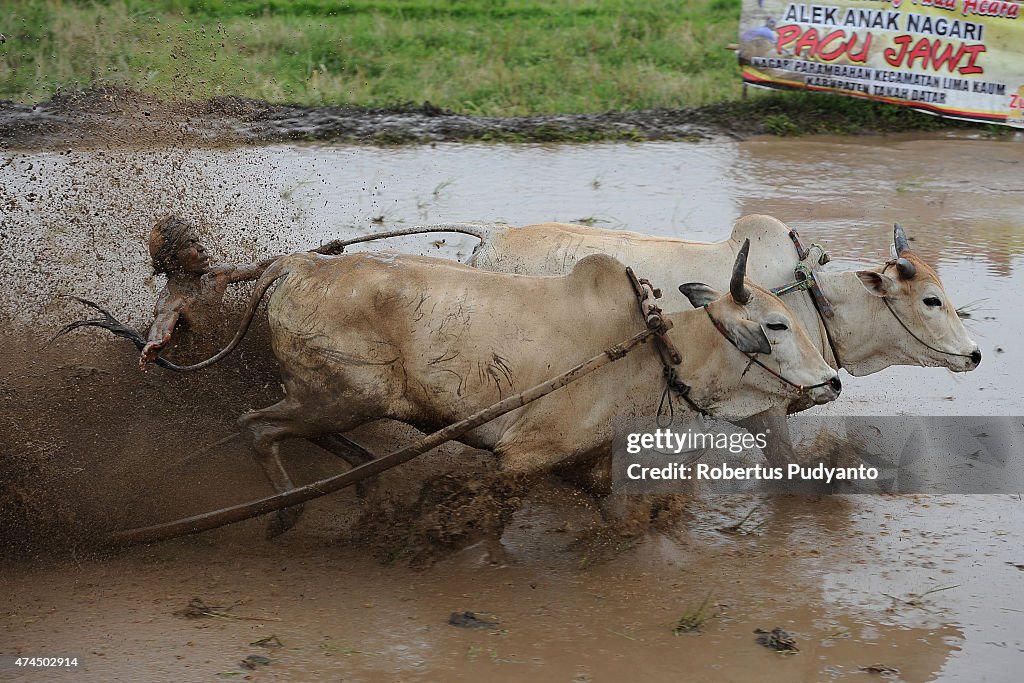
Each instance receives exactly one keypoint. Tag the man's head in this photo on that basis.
(174, 247)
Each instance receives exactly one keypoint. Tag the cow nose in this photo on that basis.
(976, 356)
(836, 385)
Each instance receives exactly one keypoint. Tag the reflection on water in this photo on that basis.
(961, 199)
(968, 546)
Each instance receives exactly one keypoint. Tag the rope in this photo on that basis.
(922, 341)
(666, 351)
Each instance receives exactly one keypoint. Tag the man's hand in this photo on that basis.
(149, 353)
(332, 248)
(168, 310)
(220, 276)
(226, 274)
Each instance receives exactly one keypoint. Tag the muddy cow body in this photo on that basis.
(428, 342)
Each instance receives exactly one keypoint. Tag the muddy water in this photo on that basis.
(574, 604)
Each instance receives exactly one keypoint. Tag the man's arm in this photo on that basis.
(230, 274)
(166, 314)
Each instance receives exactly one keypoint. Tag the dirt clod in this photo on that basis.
(252, 661)
(881, 669)
(470, 620)
(777, 639)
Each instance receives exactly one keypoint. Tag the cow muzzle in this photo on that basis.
(827, 392)
(964, 362)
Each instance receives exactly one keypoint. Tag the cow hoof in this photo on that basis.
(282, 521)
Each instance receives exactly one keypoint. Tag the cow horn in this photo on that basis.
(739, 291)
(899, 238)
(906, 269)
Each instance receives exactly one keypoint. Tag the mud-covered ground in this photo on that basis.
(822, 570)
(109, 117)
(91, 444)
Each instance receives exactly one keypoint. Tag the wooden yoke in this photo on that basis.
(646, 293)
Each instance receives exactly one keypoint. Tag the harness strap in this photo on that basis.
(682, 389)
(667, 352)
(801, 253)
(911, 333)
(822, 306)
(795, 286)
(805, 281)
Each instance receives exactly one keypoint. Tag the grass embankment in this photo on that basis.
(489, 57)
(483, 57)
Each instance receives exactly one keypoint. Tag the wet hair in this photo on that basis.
(169, 234)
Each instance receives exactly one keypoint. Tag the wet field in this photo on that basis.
(849, 577)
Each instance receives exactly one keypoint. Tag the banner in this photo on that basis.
(957, 58)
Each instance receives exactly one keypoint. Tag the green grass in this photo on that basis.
(488, 57)
(483, 57)
(695, 618)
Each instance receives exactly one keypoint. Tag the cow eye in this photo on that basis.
(777, 326)
(932, 301)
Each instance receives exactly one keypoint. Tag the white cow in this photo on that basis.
(897, 313)
(428, 342)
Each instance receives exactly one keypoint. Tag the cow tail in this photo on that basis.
(280, 269)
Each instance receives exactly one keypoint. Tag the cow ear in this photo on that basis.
(749, 337)
(876, 283)
(699, 293)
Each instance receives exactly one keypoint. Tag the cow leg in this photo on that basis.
(779, 449)
(345, 448)
(266, 428)
(593, 475)
(352, 453)
(488, 503)
(626, 515)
